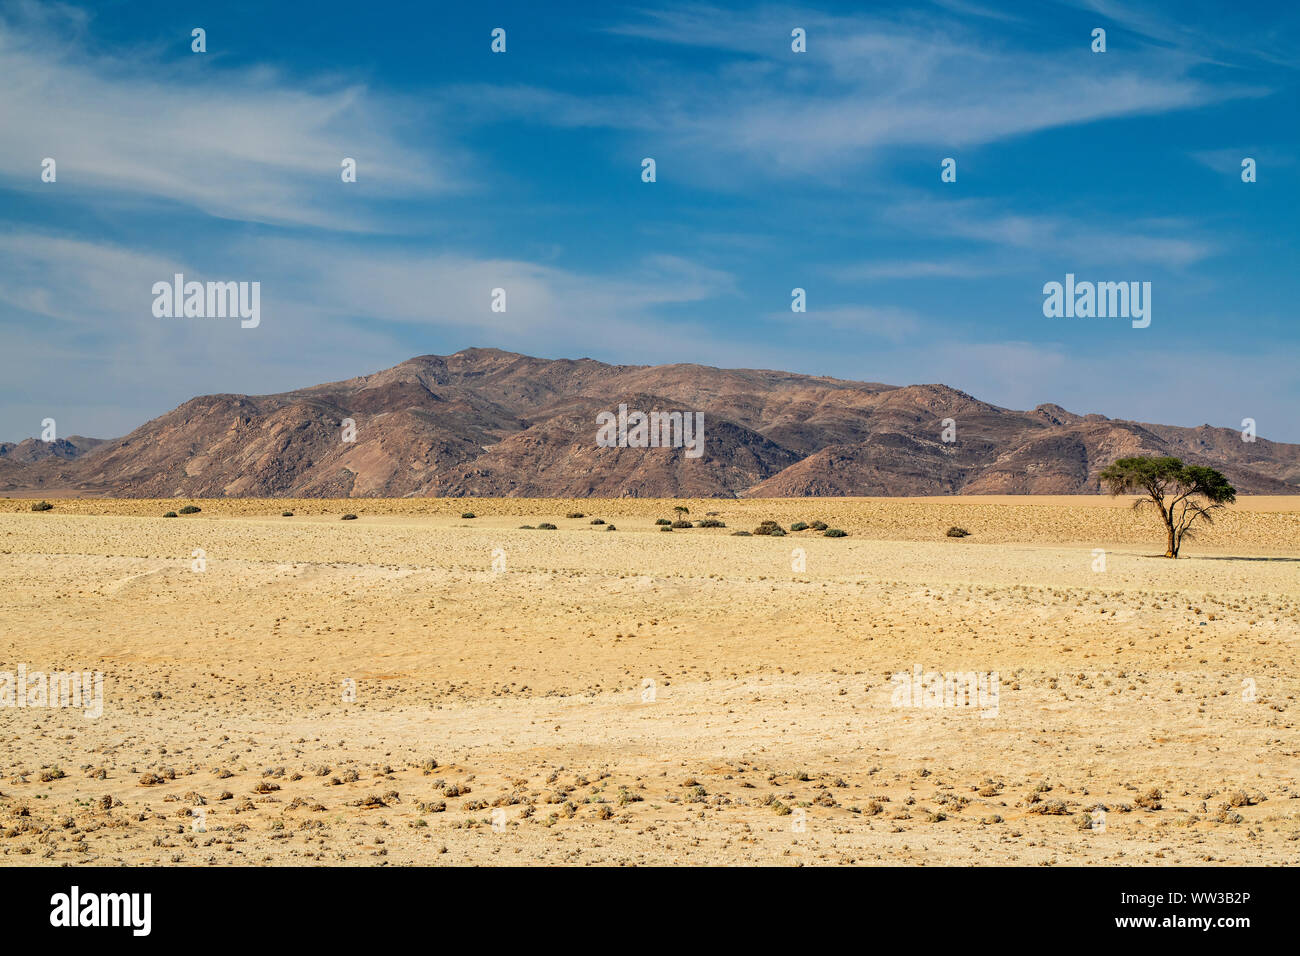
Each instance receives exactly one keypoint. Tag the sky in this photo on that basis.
(774, 170)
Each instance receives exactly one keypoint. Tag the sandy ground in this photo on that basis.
(308, 690)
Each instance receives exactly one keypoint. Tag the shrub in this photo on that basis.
(170, 514)
(799, 526)
(349, 517)
(525, 527)
(575, 514)
(286, 514)
(610, 527)
(42, 506)
(667, 527)
(682, 524)
(710, 523)
(190, 510)
(834, 533)
(546, 526)
(1151, 800)
(468, 514)
(956, 532)
(740, 534)
(769, 527)
(597, 521)
(662, 521)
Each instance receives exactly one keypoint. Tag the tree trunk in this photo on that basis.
(1171, 545)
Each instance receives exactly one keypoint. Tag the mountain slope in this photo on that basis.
(485, 422)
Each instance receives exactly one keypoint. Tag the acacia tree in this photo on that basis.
(1181, 493)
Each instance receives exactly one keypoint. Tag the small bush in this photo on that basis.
(662, 521)
(1151, 800)
(834, 533)
(42, 506)
(799, 526)
(170, 514)
(526, 527)
(682, 524)
(770, 527)
(956, 532)
(710, 523)
(575, 514)
(610, 527)
(547, 526)
(286, 514)
(468, 514)
(190, 510)
(740, 534)
(667, 527)
(349, 518)
(597, 521)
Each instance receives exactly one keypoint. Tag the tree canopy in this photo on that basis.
(1181, 493)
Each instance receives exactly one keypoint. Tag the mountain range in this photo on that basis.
(485, 422)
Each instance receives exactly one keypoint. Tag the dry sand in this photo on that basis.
(769, 734)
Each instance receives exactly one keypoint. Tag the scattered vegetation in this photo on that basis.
(190, 510)
(1181, 493)
(610, 527)
(575, 514)
(286, 514)
(681, 524)
(169, 514)
(468, 514)
(597, 521)
(770, 527)
(349, 517)
(42, 506)
(956, 532)
(710, 523)
(662, 521)
(681, 509)
(819, 525)
(834, 533)
(799, 526)
(547, 526)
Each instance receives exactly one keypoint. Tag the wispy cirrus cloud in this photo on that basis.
(236, 144)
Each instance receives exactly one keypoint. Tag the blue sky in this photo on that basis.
(775, 170)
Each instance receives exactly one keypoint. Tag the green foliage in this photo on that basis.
(190, 510)
(42, 506)
(956, 532)
(349, 517)
(662, 521)
(1180, 493)
(799, 526)
(834, 533)
(170, 514)
(468, 514)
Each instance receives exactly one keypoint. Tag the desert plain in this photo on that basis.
(416, 687)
